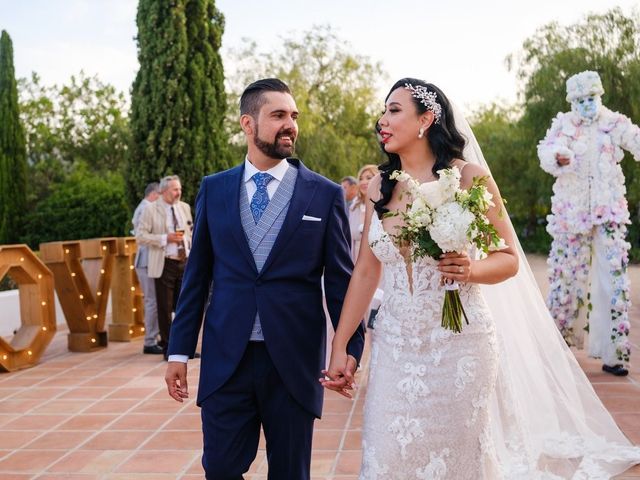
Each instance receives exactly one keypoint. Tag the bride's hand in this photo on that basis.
(339, 376)
(455, 266)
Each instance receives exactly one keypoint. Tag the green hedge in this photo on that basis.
(83, 206)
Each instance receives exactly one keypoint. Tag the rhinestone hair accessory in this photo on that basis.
(427, 98)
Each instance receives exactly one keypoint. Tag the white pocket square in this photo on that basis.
(309, 218)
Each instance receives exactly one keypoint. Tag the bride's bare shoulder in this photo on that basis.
(469, 171)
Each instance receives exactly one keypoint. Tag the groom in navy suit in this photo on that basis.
(266, 233)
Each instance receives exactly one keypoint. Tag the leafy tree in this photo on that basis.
(506, 148)
(335, 92)
(13, 165)
(178, 99)
(81, 122)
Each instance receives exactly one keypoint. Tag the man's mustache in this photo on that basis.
(286, 133)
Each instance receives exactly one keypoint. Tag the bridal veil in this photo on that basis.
(547, 421)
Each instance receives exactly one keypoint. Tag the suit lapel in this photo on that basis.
(303, 193)
(233, 189)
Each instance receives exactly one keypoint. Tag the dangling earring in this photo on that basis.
(421, 132)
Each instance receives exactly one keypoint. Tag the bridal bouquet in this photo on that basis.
(444, 218)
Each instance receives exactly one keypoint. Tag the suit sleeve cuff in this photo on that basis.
(354, 348)
(178, 358)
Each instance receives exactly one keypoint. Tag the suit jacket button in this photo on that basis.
(258, 282)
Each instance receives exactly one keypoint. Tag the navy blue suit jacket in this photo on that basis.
(287, 292)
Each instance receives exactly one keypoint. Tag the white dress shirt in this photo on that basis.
(171, 248)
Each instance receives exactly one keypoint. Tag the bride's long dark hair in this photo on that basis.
(446, 142)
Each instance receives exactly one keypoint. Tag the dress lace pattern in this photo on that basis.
(437, 407)
(426, 413)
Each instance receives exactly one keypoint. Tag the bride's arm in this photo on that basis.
(497, 266)
(363, 284)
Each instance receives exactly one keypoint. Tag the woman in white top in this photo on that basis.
(357, 207)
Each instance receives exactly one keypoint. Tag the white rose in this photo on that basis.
(487, 196)
(449, 227)
(417, 206)
(449, 183)
(501, 246)
(431, 193)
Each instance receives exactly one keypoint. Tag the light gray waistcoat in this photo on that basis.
(262, 236)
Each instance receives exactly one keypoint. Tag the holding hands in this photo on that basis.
(176, 237)
(339, 377)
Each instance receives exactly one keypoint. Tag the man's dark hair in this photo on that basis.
(252, 98)
(444, 139)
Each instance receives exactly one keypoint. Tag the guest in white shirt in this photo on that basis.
(151, 332)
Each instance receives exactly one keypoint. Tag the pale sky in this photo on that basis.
(458, 45)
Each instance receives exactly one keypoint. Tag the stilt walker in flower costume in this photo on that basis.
(589, 254)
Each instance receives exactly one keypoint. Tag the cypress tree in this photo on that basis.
(13, 153)
(178, 100)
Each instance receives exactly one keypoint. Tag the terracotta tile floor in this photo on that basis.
(105, 415)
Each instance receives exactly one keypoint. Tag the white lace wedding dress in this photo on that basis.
(482, 404)
(426, 410)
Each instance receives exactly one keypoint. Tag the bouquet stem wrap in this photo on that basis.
(452, 310)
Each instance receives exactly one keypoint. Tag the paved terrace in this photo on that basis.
(106, 415)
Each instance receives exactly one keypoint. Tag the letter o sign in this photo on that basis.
(37, 310)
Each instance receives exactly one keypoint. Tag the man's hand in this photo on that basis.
(174, 237)
(340, 379)
(176, 378)
(562, 160)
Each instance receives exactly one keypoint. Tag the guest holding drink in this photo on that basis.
(165, 228)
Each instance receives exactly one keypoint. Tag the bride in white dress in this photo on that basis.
(503, 399)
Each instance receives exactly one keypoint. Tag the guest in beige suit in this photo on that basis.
(165, 228)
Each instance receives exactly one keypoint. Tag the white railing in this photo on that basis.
(10, 312)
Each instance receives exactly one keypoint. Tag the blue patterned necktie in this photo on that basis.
(260, 199)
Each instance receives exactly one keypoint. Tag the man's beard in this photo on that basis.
(273, 150)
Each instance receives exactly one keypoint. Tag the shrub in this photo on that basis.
(85, 205)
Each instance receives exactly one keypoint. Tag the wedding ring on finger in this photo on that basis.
(460, 269)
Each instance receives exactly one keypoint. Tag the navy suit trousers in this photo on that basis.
(255, 396)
